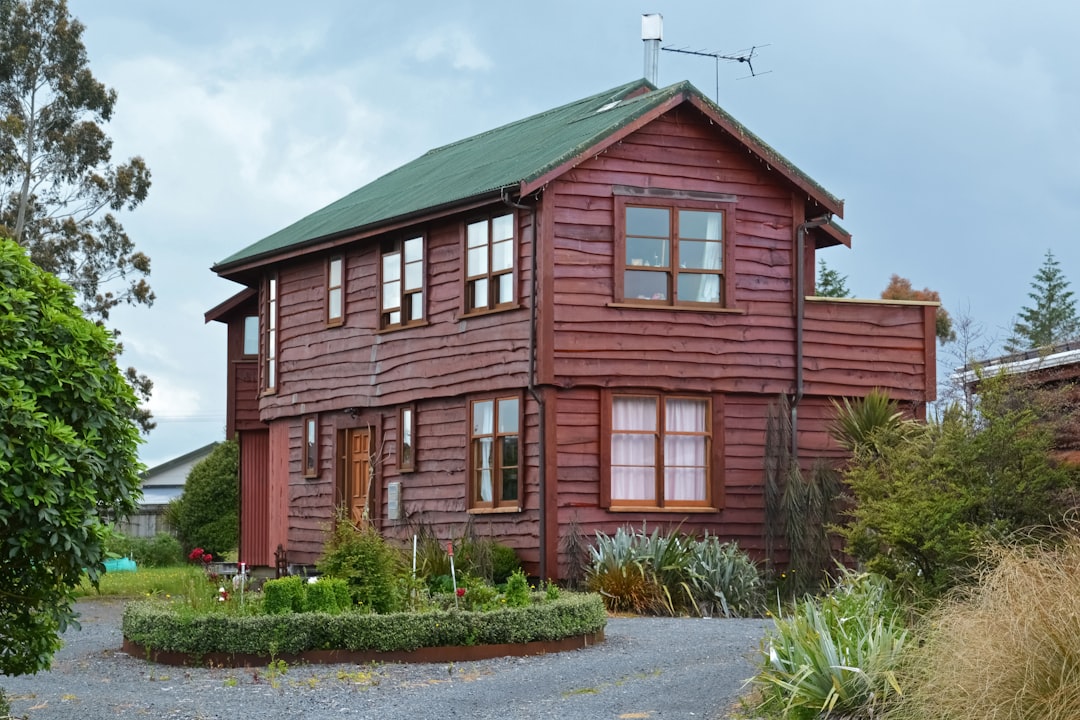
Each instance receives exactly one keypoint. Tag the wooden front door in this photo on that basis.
(358, 480)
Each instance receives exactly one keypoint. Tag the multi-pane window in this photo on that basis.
(251, 335)
(489, 269)
(673, 256)
(311, 446)
(271, 334)
(402, 287)
(335, 291)
(407, 442)
(495, 464)
(660, 451)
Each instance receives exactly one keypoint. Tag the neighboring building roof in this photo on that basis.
(220, 311)
(1039, 359)
(173, 473)
(517, 158)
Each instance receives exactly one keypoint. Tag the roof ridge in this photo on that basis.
(611, 94)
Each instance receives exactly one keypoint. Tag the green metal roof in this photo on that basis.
(507, 157)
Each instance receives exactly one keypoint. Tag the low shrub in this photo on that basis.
(1007, 648)
(671, 574)
(517, 590)
(162, 550)
(833, 655)
(283, 595)
(166, 627)
(362, 558)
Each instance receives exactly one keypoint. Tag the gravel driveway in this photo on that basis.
(647, 668)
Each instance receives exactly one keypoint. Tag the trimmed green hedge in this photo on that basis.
(159, 626)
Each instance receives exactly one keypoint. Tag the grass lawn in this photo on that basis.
(177, 580)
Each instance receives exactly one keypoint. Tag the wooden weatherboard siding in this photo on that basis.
(849, 348)
(355, 365)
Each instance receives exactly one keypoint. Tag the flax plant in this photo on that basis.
(834, 656)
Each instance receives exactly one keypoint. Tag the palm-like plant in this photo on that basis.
(863, 423)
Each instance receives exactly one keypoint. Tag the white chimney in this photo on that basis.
(652, 32)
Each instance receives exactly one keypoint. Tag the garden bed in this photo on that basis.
(171, 634)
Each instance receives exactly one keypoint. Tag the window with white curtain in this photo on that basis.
(673, 256)
(494, 462)
(660, 451)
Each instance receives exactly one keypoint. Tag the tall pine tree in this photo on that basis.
(1053, 318)
(830, 283)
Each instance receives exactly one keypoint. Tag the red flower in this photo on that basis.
(207, 558)
(461, 592)
(195, 555)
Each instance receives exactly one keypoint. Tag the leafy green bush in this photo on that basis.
(207, 513)
(68, 456)
(364, 560)
(162, 626)
(162, 550)
(327, 595)
(517, 590)
(1007, 648)
(480, 557)
(283, 595)
(926, 499)
(504, 563)
(837, 654)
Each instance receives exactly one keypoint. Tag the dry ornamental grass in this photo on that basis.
(1009, 648)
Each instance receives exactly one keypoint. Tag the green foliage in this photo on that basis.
(671, 574)
(833, 655)
(1007, 648)
(830, 283)
(861, 423)
(67, 455)
(158, 582)
(517, 590)
(809, 510)
(924, 502)
(371, 567)
(1053, 317)
(162, 550)
(207, 513)
(161, 626)
(283, 595)
(294, 594)
(724, 581)
(480, 557)
(56, 174)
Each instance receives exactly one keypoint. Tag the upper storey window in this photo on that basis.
(270, 369)
(335, 291)
(489, 273)
(674, 253)
(402, 284)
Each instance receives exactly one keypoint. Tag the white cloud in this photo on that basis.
(454, 44)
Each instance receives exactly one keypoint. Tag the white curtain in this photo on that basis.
(708, 286)
(484, 425)
(633, 454)
(685, 464)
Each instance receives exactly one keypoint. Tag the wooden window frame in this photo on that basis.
(309, 446)
(389, 247)
(244, 336)
(407, 430)
(714, 480)
(331, 288)
(271, 366)
(490, 277)
(497, 503)
(674, 202)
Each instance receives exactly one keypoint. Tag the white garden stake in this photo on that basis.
(453, 576)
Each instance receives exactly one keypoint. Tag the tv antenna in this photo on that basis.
(740, 56)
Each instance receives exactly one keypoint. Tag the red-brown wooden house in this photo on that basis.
(582, 315)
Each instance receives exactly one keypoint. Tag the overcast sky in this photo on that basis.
(949, 128)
